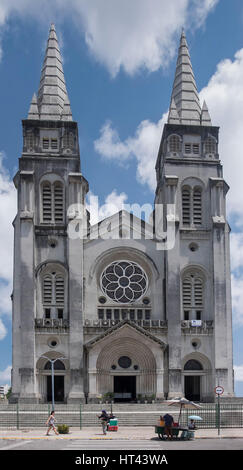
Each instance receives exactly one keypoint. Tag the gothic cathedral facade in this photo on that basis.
(115, 314)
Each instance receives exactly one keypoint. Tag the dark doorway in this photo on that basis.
(124, 388)
(58, 388)
(192, 387)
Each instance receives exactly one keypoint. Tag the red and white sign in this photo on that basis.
(219, 390)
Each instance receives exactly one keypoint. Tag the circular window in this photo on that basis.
(102, 300)
(193, 246)
(124, 362)
(53, 342)
(124, 281)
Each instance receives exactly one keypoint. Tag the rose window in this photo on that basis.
(124, 281)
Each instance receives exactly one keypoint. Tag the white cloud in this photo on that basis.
(238, 373)
(143, 146)
(224, 96)
(237, 298)
(236, 252)
(120, 34)
(5, 376)
(113, 203)
(8, 209)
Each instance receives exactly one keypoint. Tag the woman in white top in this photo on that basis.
(51, 423)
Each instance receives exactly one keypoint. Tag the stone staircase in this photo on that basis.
(128, 414)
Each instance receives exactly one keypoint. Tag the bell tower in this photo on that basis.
(48, 280)
(198, 290)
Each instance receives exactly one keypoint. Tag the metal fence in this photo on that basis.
(16, 416)
(20, 416)
(215, 415)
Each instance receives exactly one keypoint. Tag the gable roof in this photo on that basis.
(118, 327)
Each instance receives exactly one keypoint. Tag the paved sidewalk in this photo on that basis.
(126, 433)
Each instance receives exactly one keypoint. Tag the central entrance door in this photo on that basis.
(58, 388)
(124, 388)
(192, 387)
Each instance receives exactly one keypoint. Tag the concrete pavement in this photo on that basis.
(126, 433)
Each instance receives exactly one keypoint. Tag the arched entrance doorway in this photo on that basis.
(58, 381)
(44, 375)
(127, 362)
(192, 385)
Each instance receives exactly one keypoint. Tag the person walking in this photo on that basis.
(51, 424)
(104, 420)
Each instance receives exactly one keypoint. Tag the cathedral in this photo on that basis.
(120, 315)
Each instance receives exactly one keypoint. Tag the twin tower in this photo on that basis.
(116, 315)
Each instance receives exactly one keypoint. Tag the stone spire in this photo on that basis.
(184, 94)
(33, 111)
(52, 99)
(205, 116)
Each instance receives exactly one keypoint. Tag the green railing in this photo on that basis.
(19, 416)
(215, 415)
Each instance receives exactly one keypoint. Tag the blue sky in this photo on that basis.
(119, 63)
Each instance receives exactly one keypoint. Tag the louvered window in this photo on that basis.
(192, 294)
(46, 202)
(58, 202)
(188, 148)
(186, 209)
(197, 206)
(198, 293)
(53, 294)
(187, 293)
(52, 202)
(192, 148)
(192, 206)
(45, 143)
(174, 143)
(54, 144)
(59, 289)
(47, 290)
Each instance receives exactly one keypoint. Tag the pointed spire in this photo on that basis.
(205, 116)
(52, 93)
(173, 117)
(184, 93)
(33, 111)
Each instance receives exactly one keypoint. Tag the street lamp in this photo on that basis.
(52, 361)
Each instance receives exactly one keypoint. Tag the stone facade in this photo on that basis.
(116, 313)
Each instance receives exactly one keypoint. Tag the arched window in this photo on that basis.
(193, 296)
(52, 202)
(186, 206)
(210, 145)
(53, 295)
(197, 206)
(29, 141)
(58, 365)
(58, 202)
(46, 202)
(68, 140)
(192, 206)
(193, 364)
(174, 144)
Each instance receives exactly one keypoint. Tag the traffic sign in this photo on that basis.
(219, 390)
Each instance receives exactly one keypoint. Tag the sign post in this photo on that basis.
(219, 391)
